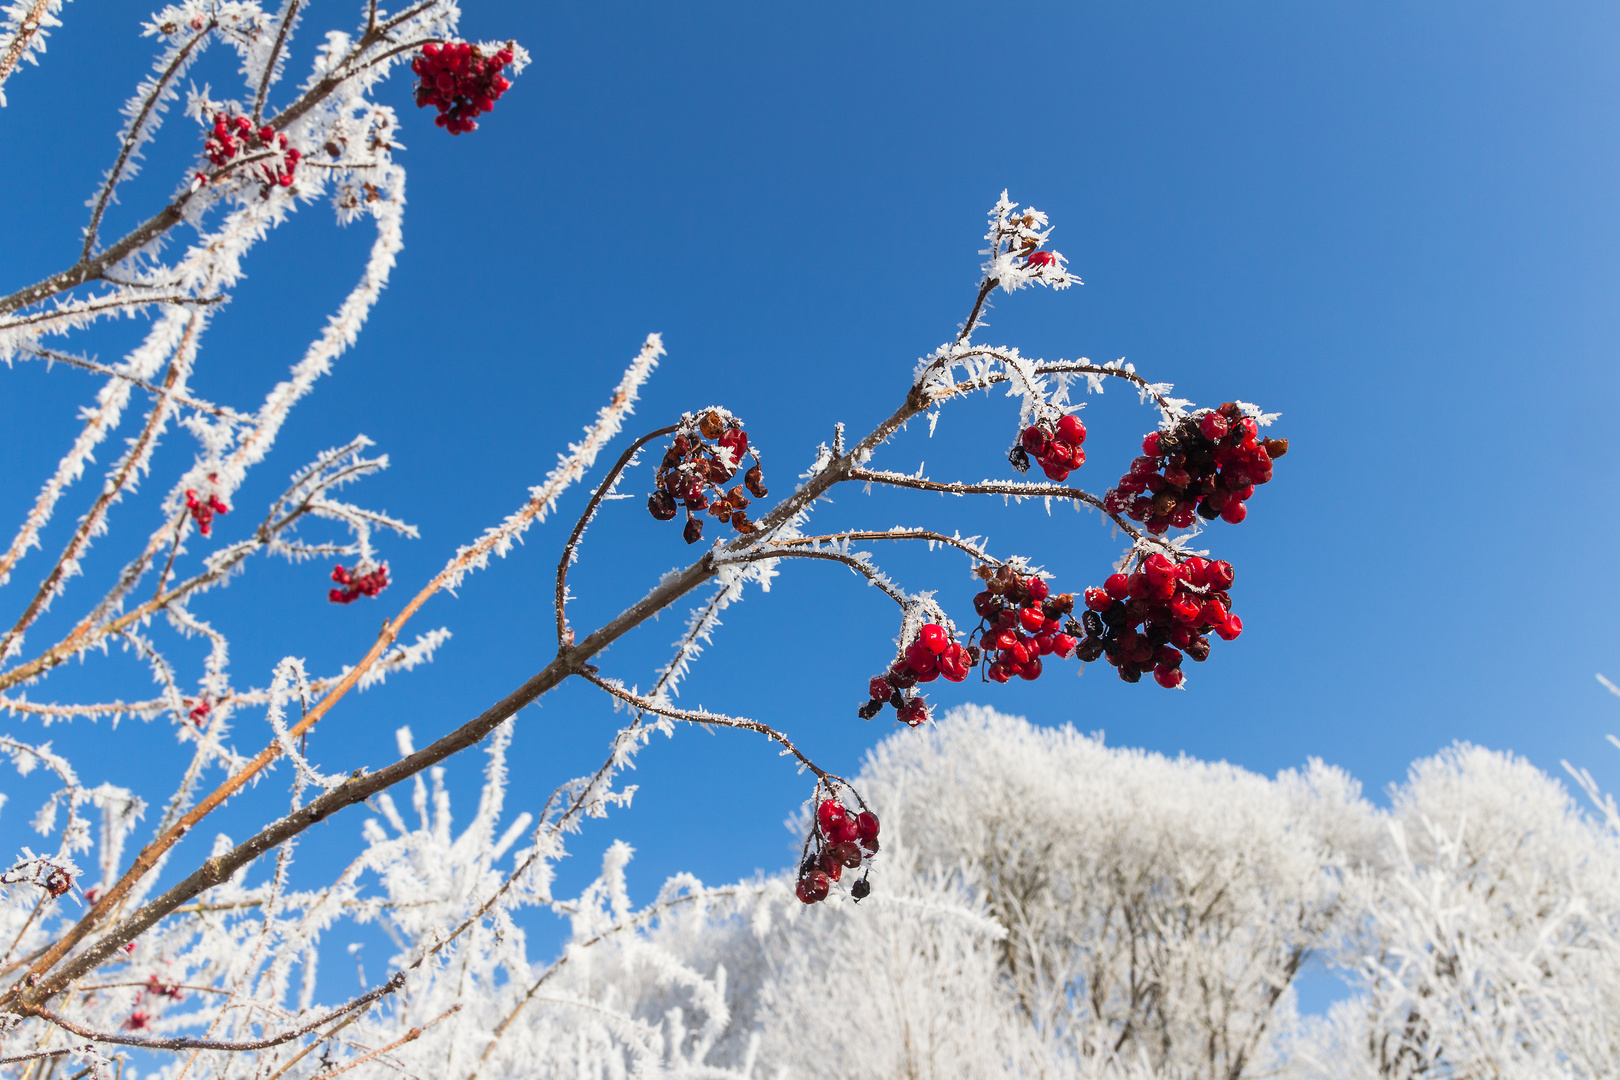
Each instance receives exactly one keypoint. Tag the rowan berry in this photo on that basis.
(460, 81)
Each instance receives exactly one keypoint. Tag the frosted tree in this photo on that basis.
(211, 961)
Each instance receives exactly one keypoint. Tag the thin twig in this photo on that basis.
(607, 484)
(701, 716)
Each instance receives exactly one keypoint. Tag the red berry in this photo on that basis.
(813, 887)
(830, 814)
(1031, 669)
(866, 824)
(997, 672)
(1032, 619)
(1214, 612)
(1230, 629)
(848, 853)
(921, 659)
(1055, 473)
(934, 637)
(1033, 440)
(1214, 426)
(1168, 677)
(1150, 444)
(1038, 589)
(1042, 258)
(1219, 576)
(954, 663)
(1063, 644)
(1234, 512)
(879, 689)
(1071, 430)
(1117, 586)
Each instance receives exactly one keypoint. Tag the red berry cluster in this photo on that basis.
(355, 584)
(234, 134)
(1055, 447)
(1206, 466)
(933, 654)
(693, 470)
(1020, 624)
(199, 711)
(841, 840)
(1143, 622)
(203, 510)
(460, 81)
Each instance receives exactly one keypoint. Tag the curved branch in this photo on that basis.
(866, 571)
(702, 716)
(607, 485)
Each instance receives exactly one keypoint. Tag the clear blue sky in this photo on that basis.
(1394, 223)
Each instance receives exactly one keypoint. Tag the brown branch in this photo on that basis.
(133, 138)
(985, 289)
(585, 517)
(182, 1043)
(26, 29)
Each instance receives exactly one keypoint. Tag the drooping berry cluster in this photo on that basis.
(931, 655)
(1021, 622)
(693, 471)
(355, 584)
(1144, 622)
(1206, 466)
(1055, 447)
(460, 81)
(233, 134)
(203, 510)
(841, 840)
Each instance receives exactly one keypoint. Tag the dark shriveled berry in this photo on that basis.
(661, 505)
(861, 889)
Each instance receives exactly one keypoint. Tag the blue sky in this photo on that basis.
(1396, 224)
